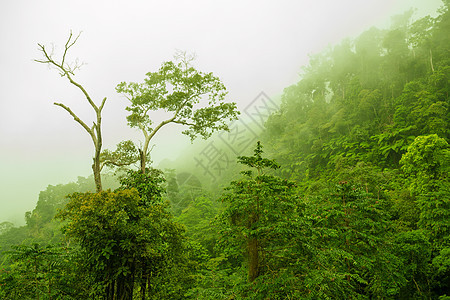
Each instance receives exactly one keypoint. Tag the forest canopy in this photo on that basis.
(346, 195)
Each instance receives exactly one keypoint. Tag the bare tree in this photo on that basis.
(68, 71)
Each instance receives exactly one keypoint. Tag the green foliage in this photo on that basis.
(177, 88)
(427, 163)
(426, 166)
(125, 154)
(258, 215)
(352, 252)
(182, 190)
(148, 184)
(413, 248)
(37, 272)
(197, 218)
(371, 114)
(127, 236)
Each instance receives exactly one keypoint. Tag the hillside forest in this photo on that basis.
(345, 195)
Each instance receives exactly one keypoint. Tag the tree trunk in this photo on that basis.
(98, 147)
(120, 288)
(143, 287)
(253, 259)
(97, 174)
(431, 61)
(129, 283)
(35, 278)
(110, 290)
(144, 280)
(142, 159)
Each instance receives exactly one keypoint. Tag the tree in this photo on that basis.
(258, 212)
(426, 165)
(350, 250)
(68, 70)
(5, 227)
(177, 89)
(37, 272)
(127, 237)
(124, 155)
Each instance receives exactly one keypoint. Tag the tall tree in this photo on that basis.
(258, 212)
(177, 89)
(67, 70)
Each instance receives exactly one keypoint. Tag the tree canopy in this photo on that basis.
(177, 89)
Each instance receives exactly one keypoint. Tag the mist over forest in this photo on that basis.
(338, 188)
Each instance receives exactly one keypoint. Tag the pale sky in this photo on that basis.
(252, 46)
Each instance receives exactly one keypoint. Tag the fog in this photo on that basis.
(253, 46)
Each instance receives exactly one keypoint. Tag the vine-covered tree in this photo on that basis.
(127, 236)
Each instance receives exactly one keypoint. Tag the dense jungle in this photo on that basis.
(345, 194)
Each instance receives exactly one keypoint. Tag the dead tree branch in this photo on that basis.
(66, 70)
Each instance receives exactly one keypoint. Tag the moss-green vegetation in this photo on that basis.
(350, 198)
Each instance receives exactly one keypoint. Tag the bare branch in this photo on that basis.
(144, 131)
(110, 162)
(75, 66)
(151, 149)
(68, 45)
(103, 104)
(184, 57)
(68, 71)
(63, 70)
(88, 98)
(76, 118)
(160, 126)
(49, 59)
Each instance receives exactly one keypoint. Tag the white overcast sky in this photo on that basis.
(252, 46)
